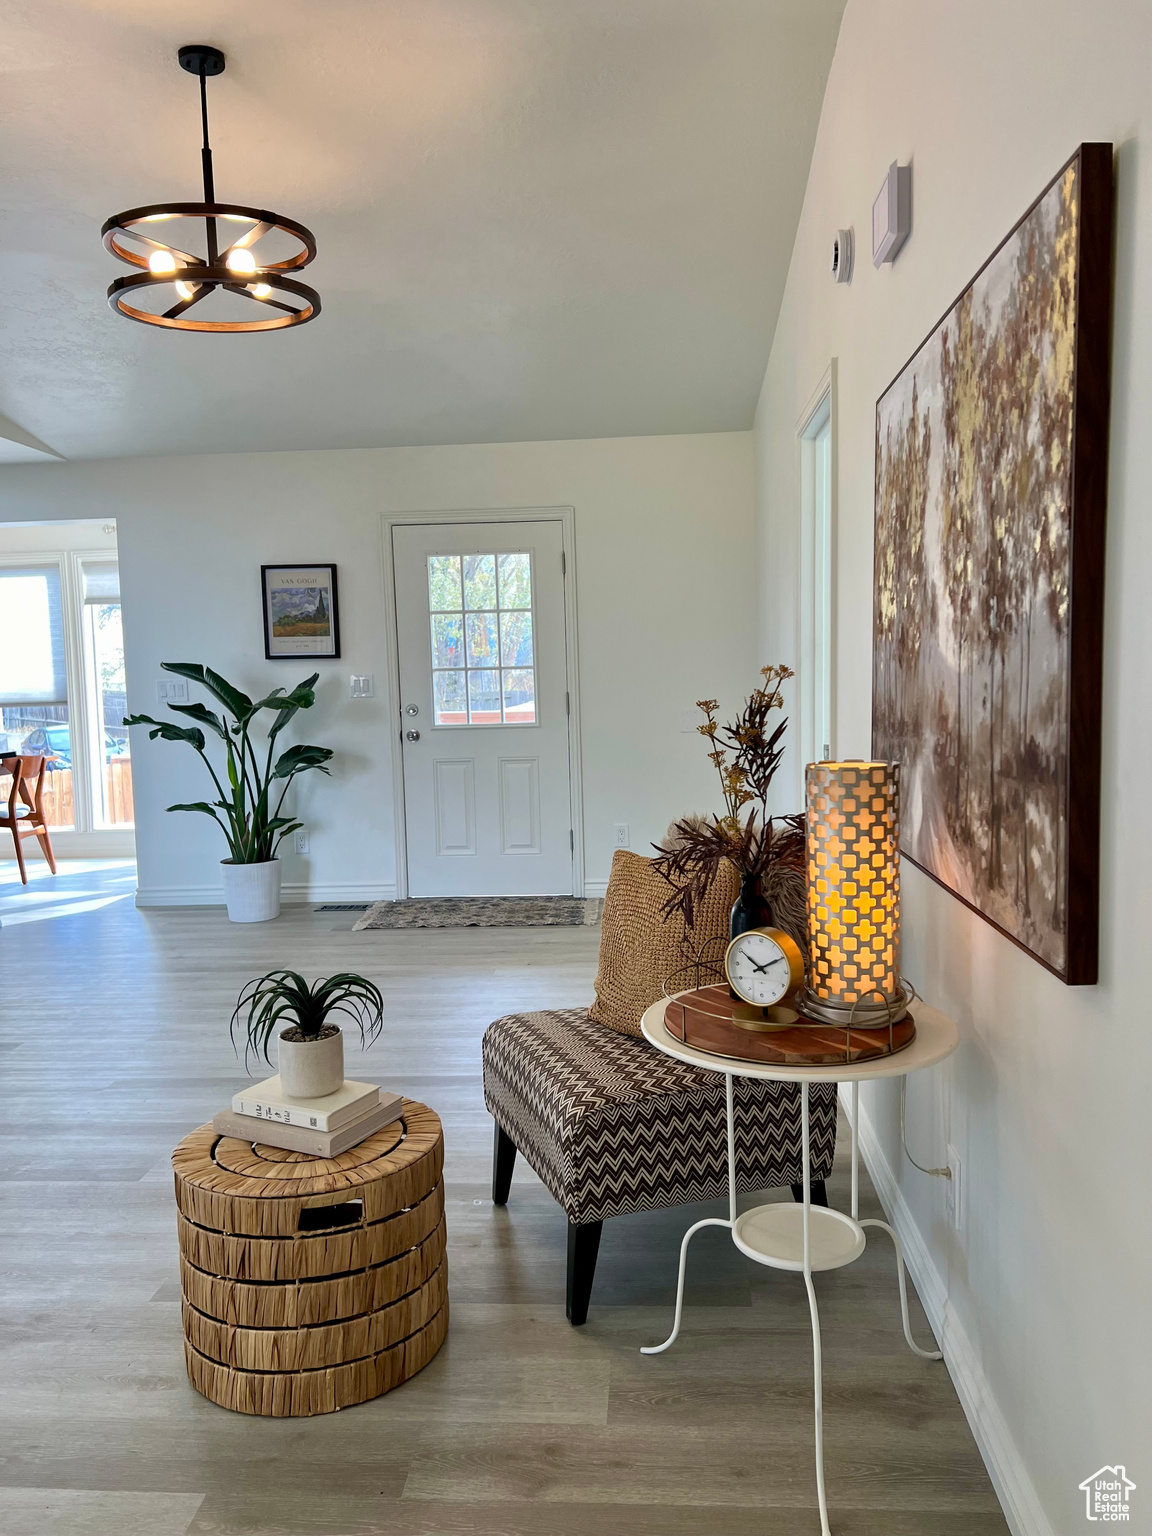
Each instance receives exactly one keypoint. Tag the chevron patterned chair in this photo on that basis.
(611, 1125)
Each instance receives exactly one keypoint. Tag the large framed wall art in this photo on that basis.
(991, 458)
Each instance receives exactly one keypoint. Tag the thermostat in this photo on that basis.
(892, 214)
(842, 256)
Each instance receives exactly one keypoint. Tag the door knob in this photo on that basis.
(412, 735)
(412, 709)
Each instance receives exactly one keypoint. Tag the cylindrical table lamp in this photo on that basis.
(853, 815)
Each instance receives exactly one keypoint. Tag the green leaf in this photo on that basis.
(198, 805)
(205, 716)
(169, 731)
(300, 759)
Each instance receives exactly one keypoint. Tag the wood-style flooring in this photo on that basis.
(114, 1043)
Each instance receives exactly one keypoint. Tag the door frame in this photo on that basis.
(821, 407)
(566, 517)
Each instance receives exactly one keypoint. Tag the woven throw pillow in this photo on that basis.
(640, 948)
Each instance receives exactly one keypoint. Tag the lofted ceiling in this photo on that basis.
(535, 218)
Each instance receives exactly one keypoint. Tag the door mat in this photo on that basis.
(484, 912)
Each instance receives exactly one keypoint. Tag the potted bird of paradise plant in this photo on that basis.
(250, 797)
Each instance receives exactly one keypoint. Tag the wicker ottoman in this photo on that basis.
(311, 1284)
(611, 1125)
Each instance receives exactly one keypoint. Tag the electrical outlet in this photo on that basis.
(361, 686)
(954, 1193)
(620, 837)
(300, 840)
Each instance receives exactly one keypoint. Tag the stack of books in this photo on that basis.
(322, 1127)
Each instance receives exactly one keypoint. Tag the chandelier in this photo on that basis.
(167, 271)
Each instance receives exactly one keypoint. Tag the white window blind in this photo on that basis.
(101, 581)
(32, 655)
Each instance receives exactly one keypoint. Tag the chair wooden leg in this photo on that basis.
(503, 1161)
(19, 854)
(819, 1193)
(46, 847)
(583, 1246)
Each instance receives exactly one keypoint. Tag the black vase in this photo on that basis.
(750, 909)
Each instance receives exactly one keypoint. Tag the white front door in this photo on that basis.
(484, 708)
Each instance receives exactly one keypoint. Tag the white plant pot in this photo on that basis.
(310, 1069)
(252, 891)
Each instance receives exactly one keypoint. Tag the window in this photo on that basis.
(34, 716)
(108, 694)
(62, 685)
(483, 662)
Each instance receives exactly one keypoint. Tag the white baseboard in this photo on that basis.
(292, 892)
(595, 888)
(1014, 1488)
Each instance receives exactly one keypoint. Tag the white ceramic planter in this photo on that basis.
(309, 1069)
(252, 891)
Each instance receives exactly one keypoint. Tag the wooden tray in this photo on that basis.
(703, 1019)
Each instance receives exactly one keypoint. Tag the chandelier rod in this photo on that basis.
(206, 160)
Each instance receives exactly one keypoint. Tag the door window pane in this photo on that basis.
(447, 640)
(482, 640)
(444, 583)
(515, 581)
(516, 639)
(479, 581)
(520, 697)
(450, 698)
(484, 698)
(483, 657)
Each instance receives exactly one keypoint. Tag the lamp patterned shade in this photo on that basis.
(853, 812)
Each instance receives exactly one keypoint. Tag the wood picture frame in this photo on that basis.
(991, 490)
(301, 612)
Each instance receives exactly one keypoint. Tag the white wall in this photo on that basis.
(664, 540)
(1044, 1294)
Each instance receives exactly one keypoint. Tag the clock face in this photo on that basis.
(758, 969)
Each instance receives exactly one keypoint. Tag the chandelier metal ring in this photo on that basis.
(154, 213)
(203, 276)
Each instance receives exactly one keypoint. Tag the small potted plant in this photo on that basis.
(311, 1049)
(251, 823)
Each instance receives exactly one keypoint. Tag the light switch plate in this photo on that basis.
(361, 686)
(172, 691)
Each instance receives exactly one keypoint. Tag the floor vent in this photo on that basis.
(345, 906)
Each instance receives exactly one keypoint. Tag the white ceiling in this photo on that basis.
(535, 218)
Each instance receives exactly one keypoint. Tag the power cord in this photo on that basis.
(935, 1173)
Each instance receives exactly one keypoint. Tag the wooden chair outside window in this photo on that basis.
(24, 814)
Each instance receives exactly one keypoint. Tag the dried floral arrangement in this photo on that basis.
(746, 753)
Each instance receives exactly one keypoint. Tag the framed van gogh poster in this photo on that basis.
(991, 450)
(301, 617)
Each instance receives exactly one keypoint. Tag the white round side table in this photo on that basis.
(805, 1238)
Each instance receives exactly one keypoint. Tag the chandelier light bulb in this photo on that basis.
(241, 260)
(185, 290)
(259, 290)
(161, 262)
